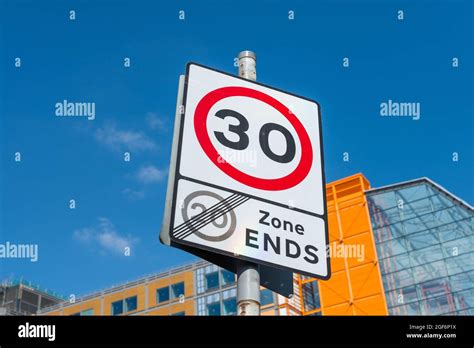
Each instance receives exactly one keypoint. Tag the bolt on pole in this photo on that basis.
(248, 276)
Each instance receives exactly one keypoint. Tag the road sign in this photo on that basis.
(249, 179)
(277, 280)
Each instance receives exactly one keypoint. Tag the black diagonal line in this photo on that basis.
(204, 212)
(209, 215)
(197, 228)
(216, 217)
(202, 215)
(213, 216)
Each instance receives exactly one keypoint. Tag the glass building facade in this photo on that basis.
(425, 245)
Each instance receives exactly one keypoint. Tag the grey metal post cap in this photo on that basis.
(248, 54)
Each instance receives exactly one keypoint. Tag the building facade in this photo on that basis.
(402, 249)
(425, 242)
(199, 288)
(18, 297)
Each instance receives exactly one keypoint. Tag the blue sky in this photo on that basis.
(121, 203)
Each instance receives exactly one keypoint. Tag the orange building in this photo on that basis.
(388, 257)
(355, 287)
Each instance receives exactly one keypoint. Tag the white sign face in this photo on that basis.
(249, 178)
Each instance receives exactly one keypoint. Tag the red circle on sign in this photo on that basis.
(283, 183)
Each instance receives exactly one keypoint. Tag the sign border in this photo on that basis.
(201, 116)
(178, 176)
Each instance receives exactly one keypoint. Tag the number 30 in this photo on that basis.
(264, 134)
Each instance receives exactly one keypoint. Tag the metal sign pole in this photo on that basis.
(248, 276)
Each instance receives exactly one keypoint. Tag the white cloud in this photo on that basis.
(105, 236)
(150, 174)
(154, 122)
(133, 194)
(84, 235)
(123, 140)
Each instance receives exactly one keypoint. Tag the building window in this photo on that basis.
(227, 277)
(117, 307)
(214, 309)
(310, 296)
(266, 297)
(88, 312)
(163, 295)
(178, 314)
(177, 290)
(212, 280)
(130, 304)
(215, 298)
(230, 306)
(201, 278)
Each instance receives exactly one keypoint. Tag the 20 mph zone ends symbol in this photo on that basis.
(249, 176)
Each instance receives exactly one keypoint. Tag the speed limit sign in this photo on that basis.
(249, 178)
